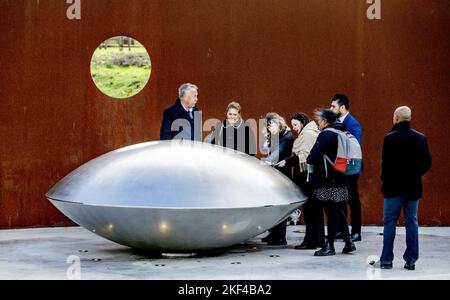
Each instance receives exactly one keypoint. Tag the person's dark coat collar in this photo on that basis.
(286, 133)
(180, 106)
(328, 126)
(401, 126)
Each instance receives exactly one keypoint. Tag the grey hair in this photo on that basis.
(185, 87)
(403, 113)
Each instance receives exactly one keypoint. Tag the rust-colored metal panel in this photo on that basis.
(270, 55)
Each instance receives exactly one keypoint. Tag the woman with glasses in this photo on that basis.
(329, 186)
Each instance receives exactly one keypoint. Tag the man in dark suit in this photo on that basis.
(340, 105)
(182, 120)
(405, 159)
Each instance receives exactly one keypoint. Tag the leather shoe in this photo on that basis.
(280, 242)
(327, 249)
(349, 245)
(410, 267)
(268, 238)
(356, 237)
(379, 264)
(304, 247)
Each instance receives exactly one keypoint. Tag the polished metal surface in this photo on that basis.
(176, 195)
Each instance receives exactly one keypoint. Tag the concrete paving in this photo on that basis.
(76, 253)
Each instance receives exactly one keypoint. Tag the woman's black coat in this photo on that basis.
(326, 144)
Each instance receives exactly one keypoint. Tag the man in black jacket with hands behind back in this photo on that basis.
(405, 159)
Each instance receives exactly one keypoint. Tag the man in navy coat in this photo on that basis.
(182, 119)
(340, 105)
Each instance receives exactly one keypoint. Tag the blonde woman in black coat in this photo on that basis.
(234, 133)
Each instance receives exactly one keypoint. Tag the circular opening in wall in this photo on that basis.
(120, 67)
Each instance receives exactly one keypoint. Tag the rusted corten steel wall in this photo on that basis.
(270, 55)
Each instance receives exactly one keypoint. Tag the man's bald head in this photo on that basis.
(402, 113)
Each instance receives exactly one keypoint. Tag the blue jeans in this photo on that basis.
(391, 212)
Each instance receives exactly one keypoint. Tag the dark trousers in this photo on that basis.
(312, 215)
(354, 203)
(335, 220)
(279, 231)
(315, 227)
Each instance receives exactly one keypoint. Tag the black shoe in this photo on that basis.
(304, 247)
(349, 245)
(268, 239)
(326, 250)
(356, 237)
(410, 267)
(280, 242)
(378, 264)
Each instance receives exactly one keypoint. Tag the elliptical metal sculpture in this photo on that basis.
(176, 196)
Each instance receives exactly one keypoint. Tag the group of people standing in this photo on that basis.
(327, 189)
(405, 160)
